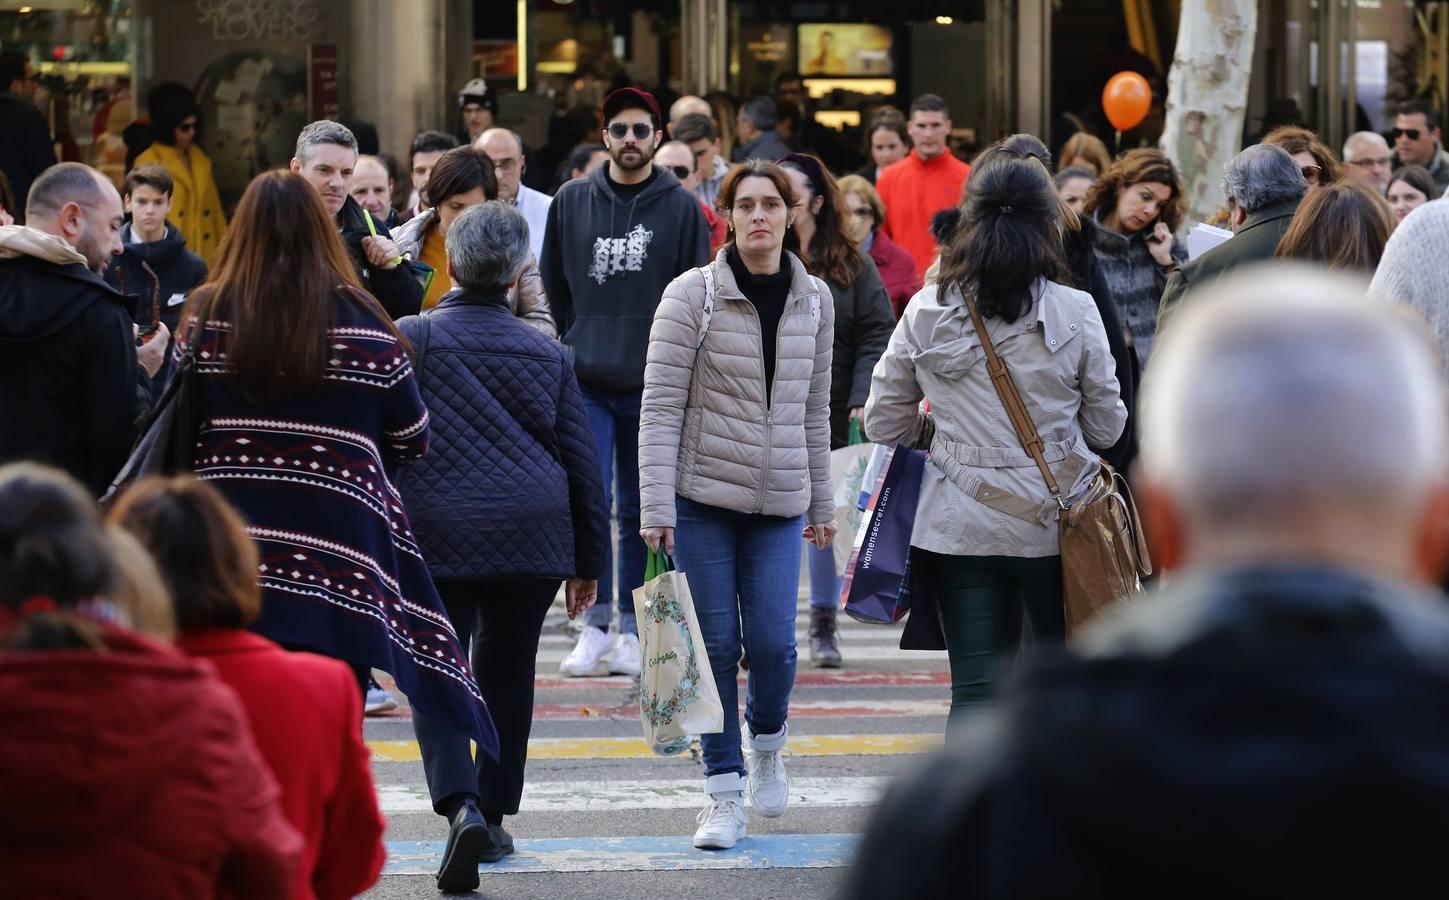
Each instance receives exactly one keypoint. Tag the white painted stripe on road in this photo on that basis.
(607, 796)
(639, 854)
(552, 656)
(848, 637)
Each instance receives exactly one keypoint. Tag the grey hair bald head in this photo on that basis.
(1261, 176)
(67, 182)
(324, 131)
(488, 246)
(1283, 395)
(500, 132)
(1363, 140)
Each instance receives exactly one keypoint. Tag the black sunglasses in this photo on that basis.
(186, 126)
(681, 172)
(1410, 133)
(641, 130)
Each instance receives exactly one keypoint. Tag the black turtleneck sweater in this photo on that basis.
(768, 293)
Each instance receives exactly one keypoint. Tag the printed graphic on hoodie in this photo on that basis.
(626, 254)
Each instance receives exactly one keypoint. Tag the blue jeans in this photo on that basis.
(614, 420)
(744, 573)
(825, 582)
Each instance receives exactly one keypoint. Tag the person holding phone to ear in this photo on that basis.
(734, 465)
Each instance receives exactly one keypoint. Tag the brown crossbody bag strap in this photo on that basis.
(1011, 399)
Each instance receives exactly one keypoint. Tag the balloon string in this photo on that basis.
(1118, 145)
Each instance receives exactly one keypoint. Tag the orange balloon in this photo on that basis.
(1126, 100)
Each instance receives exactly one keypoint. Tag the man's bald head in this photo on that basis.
(77, 203)
(505, 149)
(1287, 417)
(688, 105)
(371, 186)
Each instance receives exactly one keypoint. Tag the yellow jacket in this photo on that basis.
(195, 203)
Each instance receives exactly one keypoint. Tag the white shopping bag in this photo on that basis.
(848, 467)
(677, 695)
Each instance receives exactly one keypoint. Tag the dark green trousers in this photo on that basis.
(982, 600)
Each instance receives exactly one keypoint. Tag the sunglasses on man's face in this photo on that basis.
(642, 130)
(681, 172)
(1410, 133)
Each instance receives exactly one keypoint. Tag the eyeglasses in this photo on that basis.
(864, 212)
(186, 126)
(642, 130)
(1383, 162)
(681, 172)
(1410, 133)
(1311, 173)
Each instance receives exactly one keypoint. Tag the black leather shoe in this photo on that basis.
(470, 842)
(502, 838)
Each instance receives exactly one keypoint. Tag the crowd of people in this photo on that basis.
(421, 415)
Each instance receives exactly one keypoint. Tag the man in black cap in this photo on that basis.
(477, 110)
(613, 241)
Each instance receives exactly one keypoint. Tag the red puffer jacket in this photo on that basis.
(132, 773)
(897, 271)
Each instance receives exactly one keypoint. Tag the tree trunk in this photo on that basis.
(1207, 92)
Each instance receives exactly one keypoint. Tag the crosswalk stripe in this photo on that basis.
(639, 854)
(552, 656)
(603, 796)
(635, 748)
(804, 709)
(863, 634)
(825, 678)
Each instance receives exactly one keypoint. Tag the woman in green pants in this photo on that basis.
(985, 540)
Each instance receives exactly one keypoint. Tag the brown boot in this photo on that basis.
(824, 642)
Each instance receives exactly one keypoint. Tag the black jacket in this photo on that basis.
(511, 485)
(396, 289)
(159, 273)
(25, 147)
(70, 387)
(863, 325)
(1284, 729)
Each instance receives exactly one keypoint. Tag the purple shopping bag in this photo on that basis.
(877, 578)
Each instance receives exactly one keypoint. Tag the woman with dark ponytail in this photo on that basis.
(115, 748)
(985, 541)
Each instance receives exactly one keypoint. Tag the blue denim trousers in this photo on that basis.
(744, 574)
(614, 420)
(825, 582)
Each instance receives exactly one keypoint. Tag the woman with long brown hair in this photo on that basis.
(1320, 167)
(863, 324)
(1343, 225)
(1138, 203)
(307, 402)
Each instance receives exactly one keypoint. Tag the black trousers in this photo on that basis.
(503, 617)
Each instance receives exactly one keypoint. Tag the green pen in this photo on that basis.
(373, 231)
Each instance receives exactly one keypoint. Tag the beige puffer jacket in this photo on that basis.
(704, 430)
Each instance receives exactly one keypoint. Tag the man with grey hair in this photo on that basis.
(74, 368)
(508, 503)
(326, 157)
(1264, 187)
(1278, 714)
(505, 149)
(755, 125)
(1369, 160)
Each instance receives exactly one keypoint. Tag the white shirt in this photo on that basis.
(534, 206)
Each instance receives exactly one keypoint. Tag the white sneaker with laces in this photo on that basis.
(589, 655)
(722, 823)
(624, 660)
(768, 787)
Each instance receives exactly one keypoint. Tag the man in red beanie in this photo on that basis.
(613, 242)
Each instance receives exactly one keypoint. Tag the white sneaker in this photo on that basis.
(768, 787)
(722, 823)
(378, 700)
(624, 660)
(589, 654)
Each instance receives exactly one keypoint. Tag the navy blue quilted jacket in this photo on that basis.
(511, 485)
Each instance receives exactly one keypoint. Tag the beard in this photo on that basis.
(631, 158)
(97, 259)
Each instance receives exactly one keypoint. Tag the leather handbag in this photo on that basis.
(1104, 554)
(167, 444)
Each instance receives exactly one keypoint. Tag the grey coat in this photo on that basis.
(1059, 359)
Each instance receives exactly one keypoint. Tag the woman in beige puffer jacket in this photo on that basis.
(734, 450)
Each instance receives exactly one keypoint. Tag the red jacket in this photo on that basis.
(718, 233)
(897, 271)
(306, 713)
(132, 773)
(913, 190)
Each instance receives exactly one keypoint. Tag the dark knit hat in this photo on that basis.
(476, 91)
(632, 98)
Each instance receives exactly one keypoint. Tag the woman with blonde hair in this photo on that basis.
(1085, 151)
(864, 215)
